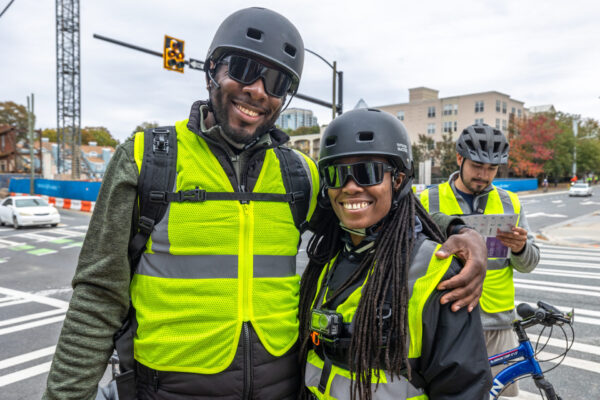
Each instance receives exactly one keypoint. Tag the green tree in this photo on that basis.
(445, 153)
(145, 125)
(98, 134)
(422, 150)
(305, 130)
(15, 115)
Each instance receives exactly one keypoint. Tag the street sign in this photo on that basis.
(196, 64)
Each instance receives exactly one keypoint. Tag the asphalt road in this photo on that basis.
(37, 264)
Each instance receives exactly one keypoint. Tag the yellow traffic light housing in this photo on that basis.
(173, 58)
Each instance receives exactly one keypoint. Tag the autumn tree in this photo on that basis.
(15, 115)
(531, 149)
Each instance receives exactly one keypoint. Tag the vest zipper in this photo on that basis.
(247, 348)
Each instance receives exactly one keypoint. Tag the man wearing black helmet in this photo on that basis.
(210, 301)
(480, 150)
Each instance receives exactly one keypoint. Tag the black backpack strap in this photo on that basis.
(159, 167)
(296, 178)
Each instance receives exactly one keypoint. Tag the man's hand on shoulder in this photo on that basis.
(465, 288)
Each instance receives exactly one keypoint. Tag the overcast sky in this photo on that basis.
(538, 52)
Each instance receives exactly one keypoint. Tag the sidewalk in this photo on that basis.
(582, 231)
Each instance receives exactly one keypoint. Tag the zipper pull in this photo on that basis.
(243, 190)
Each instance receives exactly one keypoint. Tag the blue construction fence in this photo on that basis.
(516, 185)
(76, 190)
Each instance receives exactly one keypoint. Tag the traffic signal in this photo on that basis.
(173, 58)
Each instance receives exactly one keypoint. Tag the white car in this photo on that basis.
(580, 189)
(21, 211)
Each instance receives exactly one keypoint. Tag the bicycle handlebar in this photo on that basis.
(546, 314)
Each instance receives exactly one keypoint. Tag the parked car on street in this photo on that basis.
(21, 211)
(580, 189)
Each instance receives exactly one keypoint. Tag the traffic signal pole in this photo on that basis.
(199, 65)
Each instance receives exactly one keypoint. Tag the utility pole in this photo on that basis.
(575, 127)
(199, 65)
(30, 124)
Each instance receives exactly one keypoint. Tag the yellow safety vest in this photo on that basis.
(426, 271)
(498, 288)
(210, 266)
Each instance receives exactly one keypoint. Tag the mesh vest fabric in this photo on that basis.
(498, 288)
(209, 266)
(425, 273)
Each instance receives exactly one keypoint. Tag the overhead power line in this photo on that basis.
(6, 8)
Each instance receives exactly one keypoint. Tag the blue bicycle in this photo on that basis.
(527, 365)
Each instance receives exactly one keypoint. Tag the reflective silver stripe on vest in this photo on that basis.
(274, 266)
(497, 263)
(398, 389)
(420, 263)
(434, 199)
(507, 204)
(212, 266)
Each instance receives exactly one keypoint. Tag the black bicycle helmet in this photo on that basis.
(368, 131)
(484, 144)
(263, 33)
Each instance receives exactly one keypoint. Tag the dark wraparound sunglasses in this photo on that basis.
(247, 70)
(365, 173)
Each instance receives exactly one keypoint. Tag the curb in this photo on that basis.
(67, 204)
(545, 236)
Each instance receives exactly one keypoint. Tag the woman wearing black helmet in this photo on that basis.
(368, 299)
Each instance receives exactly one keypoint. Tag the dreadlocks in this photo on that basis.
(388, 279)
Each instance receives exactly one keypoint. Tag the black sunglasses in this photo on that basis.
(364, 173)
(246, 71)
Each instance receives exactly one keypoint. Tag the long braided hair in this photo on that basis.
(388, 265)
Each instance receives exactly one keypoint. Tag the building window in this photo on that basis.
(447, 126)
(448, 109)
(455, 125)
(497, 123)
(479, 106)
(512, 111)
(519, 113)
(478, 121)
(497, 105)
(431, 129)
(2, 143)
(503, 107)
(400, 115)
(503, 125)
(431, 112)
(455, 109)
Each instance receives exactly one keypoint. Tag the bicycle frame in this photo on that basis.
(528, 365)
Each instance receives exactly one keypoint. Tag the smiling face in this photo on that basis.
(363, 206)
(474, 176)
(244, 111)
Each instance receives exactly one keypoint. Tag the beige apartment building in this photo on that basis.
(426, 113)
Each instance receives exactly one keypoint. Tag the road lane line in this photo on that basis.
(568, 257)
(574, 252)
(30, 317)
(14, 302)
(23, 358)
(572, 248)
(35, 298)
(7, 298)
(562, 272)
(30, 325)
(25, 374)
(561, 344)
(568, 264)
(578, 363)
(557, 290)
(588, 288)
